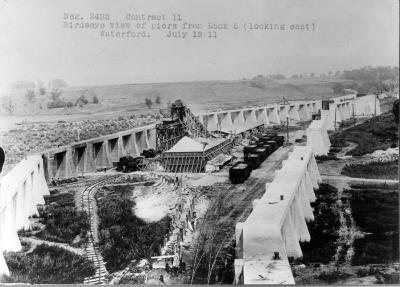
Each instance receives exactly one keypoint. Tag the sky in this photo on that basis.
(349, 34)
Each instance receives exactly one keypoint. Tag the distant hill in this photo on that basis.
(116, 100)
(219, 94)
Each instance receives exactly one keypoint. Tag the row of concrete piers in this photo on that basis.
(274, 114)
(97, 153)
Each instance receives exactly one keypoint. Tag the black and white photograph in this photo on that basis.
(191, 142)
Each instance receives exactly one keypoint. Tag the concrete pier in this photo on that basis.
(97, 153)
(340, 109)
(317, 137)
(269, 115)
(366, 106)
(21, 190)
(277, 224)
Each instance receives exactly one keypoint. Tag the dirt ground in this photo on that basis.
(331, 172)
(152, 203)
(229, 204)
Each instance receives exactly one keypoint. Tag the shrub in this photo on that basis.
(55, 94)
(56, 104)
(374, 134)
(333, 276)
(323, 230)
(338, 89)
(124, 237)
(82, 100)
(30, 95)
(377, 213)
(42, 91)
(95, 99)
(362, 272)
(47, 265)
(257, 84)
(385, 170)
(8, 105)
(63, 224)
(321, 158)
(148, 102)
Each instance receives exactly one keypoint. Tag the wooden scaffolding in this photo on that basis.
(178, 122)
(193, 162)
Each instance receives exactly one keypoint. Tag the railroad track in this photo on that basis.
(91, 250)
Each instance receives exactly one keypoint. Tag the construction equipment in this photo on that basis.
(129, 164)
(149, 153)
(178, 121)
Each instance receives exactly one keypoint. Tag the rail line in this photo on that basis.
(91, 251)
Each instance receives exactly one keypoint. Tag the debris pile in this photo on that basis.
(34, 137)
(391, 154)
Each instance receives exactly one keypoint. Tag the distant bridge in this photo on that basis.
(239, 120)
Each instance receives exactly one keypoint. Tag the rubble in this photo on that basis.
(34, 137)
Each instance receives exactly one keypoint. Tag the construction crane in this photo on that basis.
(286, 102)
(178, 121)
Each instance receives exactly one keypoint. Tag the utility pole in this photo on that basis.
(335, 116)
(287, 119)
(287, 130)
(375, 106)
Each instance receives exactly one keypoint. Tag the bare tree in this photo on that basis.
(148, 102)
(42, 91)
(8, 105)
(30, 95)
(55, 94)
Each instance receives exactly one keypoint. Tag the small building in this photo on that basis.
(191, 155)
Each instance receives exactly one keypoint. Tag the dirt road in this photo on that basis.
(232, 204)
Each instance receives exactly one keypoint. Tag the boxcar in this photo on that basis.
(249, 149)
(262, 152)
(253, 160)
(239, 172)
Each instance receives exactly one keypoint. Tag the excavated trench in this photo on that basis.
(376, 214)
(355, 235)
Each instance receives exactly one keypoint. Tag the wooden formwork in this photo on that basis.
(193, 161)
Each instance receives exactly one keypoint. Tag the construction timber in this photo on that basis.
(178, 121)
(194, 161)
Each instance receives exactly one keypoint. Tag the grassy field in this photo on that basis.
(378, 133)
(383, 170)
(125, 237)
(127, 99)
(323, 230)
(47, 265)
(376, 213)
